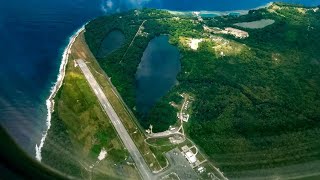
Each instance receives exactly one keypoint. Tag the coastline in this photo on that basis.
(219, 13)
(55, 88)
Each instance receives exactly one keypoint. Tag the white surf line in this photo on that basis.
(54, 90)
(221, 13)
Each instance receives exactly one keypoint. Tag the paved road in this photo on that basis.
(125, 137)
(132, 40)
(178, 165)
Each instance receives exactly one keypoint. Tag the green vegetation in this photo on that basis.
(254, 109)
(80, 129)
(119, 65)
(52, 151)
(128, 119)
(160, 146)
(159, 141)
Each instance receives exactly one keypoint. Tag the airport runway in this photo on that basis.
(141, 165)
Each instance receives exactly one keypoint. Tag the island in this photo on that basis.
(157, 94)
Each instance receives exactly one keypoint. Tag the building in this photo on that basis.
(191, 157)
(201, 169)
(185, 117)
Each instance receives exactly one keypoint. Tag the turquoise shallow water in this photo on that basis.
(33, 35)
(218, 5)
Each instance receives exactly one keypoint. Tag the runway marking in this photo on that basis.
(141, 165)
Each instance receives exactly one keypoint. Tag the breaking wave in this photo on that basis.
(54, 90)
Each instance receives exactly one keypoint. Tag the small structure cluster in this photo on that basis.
(141, 32)
(197, 14)
(191, 156)
(187, 152)
(201, 169)
(149, 131)
(176, 139)
(183, 116)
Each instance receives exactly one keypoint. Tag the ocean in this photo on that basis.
(34, 34)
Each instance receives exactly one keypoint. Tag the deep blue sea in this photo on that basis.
(33, 35)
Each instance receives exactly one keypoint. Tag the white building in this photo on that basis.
(191, 157)
(185, 117)
(201, 169)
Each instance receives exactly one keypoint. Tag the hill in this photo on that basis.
(255, 87)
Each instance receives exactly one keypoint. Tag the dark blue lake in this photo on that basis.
(156, 73)
(116, 38)
(33, 35)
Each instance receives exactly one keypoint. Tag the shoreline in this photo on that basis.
(219, 13)
(60, 77)
(54, 89)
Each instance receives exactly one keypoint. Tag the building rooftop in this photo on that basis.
(191, 157)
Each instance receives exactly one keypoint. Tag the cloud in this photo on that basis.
(111, 6)
(138, 3)
(107, 6)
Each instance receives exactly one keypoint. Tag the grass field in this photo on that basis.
(80, 129)
(124, 114)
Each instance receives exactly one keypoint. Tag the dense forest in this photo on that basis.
(257, 107)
